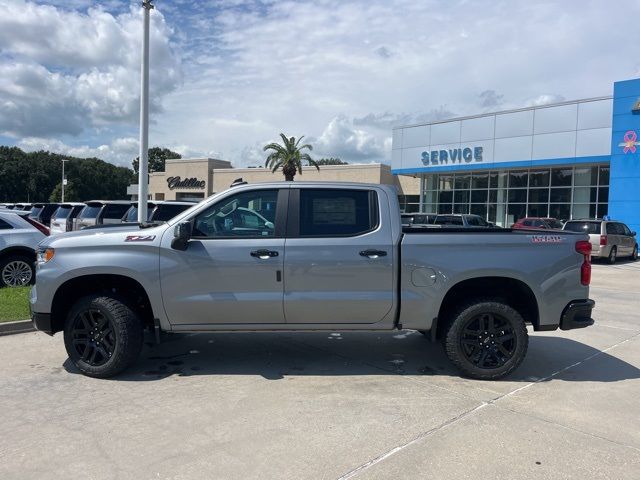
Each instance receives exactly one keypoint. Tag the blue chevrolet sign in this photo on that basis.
(453, 156)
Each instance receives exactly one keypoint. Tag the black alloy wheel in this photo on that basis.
(93, 337)
(486, 338)
(103, 335)
(488, 341)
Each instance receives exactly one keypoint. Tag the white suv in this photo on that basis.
(19, 238)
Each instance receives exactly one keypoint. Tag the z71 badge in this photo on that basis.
(140, 238)
(547, 238)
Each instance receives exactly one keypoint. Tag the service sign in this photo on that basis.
(452, 156)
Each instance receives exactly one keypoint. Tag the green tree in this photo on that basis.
(288, 157)
(35, 176)
(331, 161)
(70, 194)
(157, 158)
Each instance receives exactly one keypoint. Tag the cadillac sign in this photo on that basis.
(178, 182)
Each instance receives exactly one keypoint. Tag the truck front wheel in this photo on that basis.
(486, 339)
(102, 335)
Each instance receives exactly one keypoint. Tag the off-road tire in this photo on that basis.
(16, 259)
(613, 255)
(126, 332)
(468, 314)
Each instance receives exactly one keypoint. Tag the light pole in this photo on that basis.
(64, 180)
(143, 170)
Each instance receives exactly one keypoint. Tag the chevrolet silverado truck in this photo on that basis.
(306, 257)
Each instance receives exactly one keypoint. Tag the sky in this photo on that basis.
(227, 76)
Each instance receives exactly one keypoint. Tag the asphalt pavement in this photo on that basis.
(332, 406)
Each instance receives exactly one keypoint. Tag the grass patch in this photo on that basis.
(14, 304)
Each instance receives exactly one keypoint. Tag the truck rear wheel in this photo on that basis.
(487, 339)
(102, 335)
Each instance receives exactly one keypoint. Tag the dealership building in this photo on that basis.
(577, 159)
(197, 178)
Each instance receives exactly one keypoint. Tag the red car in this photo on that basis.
(537, 222)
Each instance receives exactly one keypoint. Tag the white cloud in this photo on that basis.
(63, 72)
(341, 72)
(121, 151)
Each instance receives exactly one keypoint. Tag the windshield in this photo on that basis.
(583, 227)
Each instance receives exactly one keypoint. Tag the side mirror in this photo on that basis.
(181, 236)
(633, 234)
(269, 225)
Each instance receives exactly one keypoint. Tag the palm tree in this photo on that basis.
(289, 157)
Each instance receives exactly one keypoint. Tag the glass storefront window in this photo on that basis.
(560, 195)
(603, 195)
(463, 181)
(431, 182)
(479, 210)
(538, 210)
(445, 182)
(446, 197)
(585, 176)
(518, 178)
(480, 180)
(461, 196)
(461, 208)
(560, 211)
(539, 195)
(561, 177)
(539, 178)
(479, 196)
(498, 179)
(503, 196)
(515, 211)
(518, 196)
(445, 208)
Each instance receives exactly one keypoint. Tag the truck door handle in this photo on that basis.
(264, 254)
(373, 253)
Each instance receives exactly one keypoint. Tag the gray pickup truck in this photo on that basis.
(309, 256)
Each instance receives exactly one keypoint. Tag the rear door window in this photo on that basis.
(61, 213)
(337, 212)
(131, 215)
(90, 211)
(166, 212)
(592, 228)
(449, 220)
(115, 211)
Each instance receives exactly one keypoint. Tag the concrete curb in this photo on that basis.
(21, 326)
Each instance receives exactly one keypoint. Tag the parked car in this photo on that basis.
(41, 212)
(157, 211)
(609, 239)
(101, 212)
(417, 219)
(25, 207)
(462, 220)
(309, 256)
(62, 219)
(539, 222)
(19, 238)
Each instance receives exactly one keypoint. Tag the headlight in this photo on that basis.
(44, 255)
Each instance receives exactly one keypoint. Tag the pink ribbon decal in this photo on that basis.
(630, 142)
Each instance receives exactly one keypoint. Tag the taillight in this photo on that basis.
(583, 247)
(603, 240)
(38, 225)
